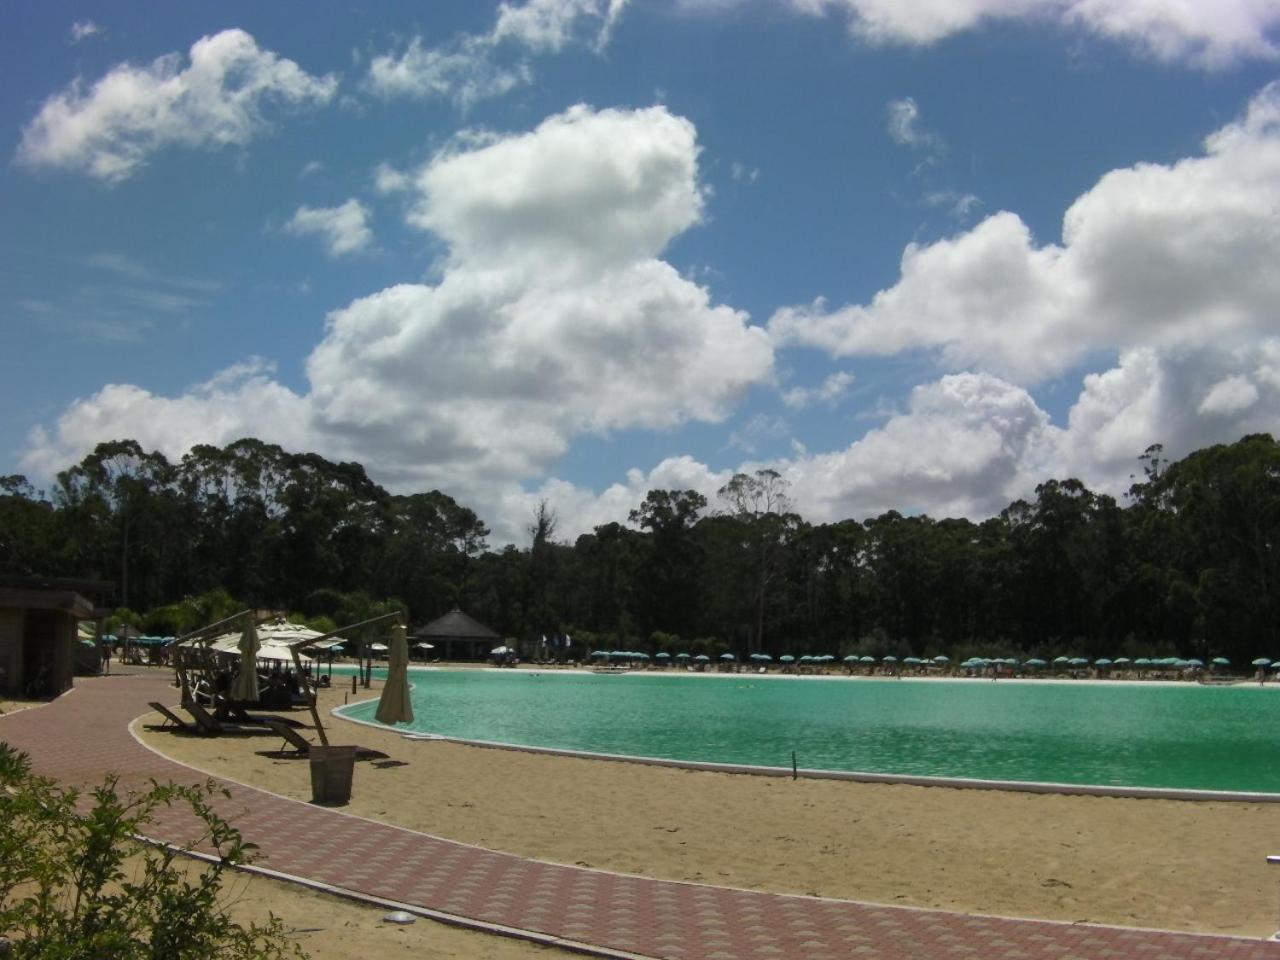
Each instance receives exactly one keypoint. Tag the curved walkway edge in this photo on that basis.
(84, 735)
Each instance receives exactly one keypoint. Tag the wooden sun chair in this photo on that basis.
(302, 747)
(238, 714)
(211, 726)
(169, 716)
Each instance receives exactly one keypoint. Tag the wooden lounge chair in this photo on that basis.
(302, 747)
(238, 714)
(211, 726)
(169, 716)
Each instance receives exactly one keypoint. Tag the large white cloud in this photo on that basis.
(969, 444)
(1175, 256)
(554, 317)
(216, 100)
(1210, 34)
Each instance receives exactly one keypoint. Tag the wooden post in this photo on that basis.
(309, 687)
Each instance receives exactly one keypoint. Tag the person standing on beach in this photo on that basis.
(106, 659)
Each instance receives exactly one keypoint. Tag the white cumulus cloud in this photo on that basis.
(473, 67)
(1172, 256)
(344, 228)
(554, 316)
(1209, 34)
(216, 99)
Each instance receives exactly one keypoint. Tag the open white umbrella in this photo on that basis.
(393, 705)
(246, 686)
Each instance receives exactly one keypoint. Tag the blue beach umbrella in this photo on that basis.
(851, 659)
(866, 659)
(1122, 661)
(787, 658)
(663, 656)
(1262, 662)
(941, 659)
(727, 656)
(1036, 662)
(702, 658)
(1102, 662)
(889, 659)
(1220, 662)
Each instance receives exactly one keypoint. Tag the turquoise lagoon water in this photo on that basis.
(1194, 737)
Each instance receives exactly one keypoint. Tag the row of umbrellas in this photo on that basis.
(972, 662)
(1104, 662)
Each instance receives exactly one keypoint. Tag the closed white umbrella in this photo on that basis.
(246, 686)
(393, 705)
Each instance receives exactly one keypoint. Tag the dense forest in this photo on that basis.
(1186, 565)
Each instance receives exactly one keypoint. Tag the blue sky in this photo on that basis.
(912, 255)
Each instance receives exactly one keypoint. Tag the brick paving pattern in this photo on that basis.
(84, 735)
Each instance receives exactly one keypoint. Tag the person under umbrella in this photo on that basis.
(394, 705)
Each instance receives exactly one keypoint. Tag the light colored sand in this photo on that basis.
(1151, 863)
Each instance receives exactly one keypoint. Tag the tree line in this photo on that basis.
(1184, 564)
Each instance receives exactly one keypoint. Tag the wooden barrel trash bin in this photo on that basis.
(331, 772)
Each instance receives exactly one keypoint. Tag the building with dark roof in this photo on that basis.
(458, 637)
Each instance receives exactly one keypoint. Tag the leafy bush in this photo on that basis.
(76, 882)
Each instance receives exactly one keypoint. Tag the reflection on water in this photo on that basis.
(1133, 734)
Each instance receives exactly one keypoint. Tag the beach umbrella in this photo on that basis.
(851, 659)
(727, 656)
(1220, 662)
(890, 659)
(941, 659)
(1036, 662)
(1121, 660)
(806, 659)
(702, 658)
(1142, 662)
(1061, 659)
(1262, 662)
(394, 705)
(1200, 663)
(382, 648)
(787, 658)
(866, 659)
(663, 656)
(1102, 662)
(246, 686)
(682, 656)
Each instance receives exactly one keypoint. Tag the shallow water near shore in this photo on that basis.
(1117, 734)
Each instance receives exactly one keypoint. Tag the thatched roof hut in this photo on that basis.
(457, 636)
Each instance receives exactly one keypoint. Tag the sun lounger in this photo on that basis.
(239, 715)
(169, 716)
(302, 747)
(211, 726)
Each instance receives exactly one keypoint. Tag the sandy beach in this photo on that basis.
(1175, 865)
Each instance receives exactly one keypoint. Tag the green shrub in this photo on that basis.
(77, 882)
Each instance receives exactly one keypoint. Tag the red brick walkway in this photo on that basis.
(84, 735)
